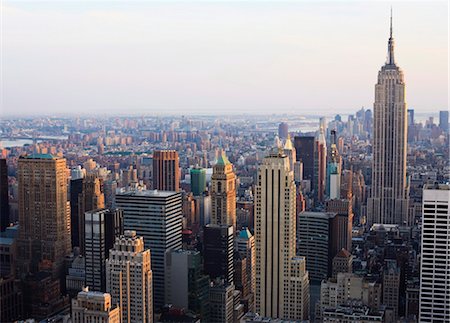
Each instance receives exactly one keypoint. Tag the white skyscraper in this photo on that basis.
(129, 278)
(388, 203)
(282, 283)
(435, 264)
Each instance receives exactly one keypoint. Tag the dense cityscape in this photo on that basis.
(228, 218)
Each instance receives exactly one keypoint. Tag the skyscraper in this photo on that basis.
(43, 240)
(315, 242)
(218, 250)
(76, 188)
(283, 130)
(304, 147)
(4, 197)
(101, 228)
(198, 181)
(443, 120)
(282, 282)
(245, 244)
(187, 286)
(223, 192)
(388, 203)
(155, 215)
(90, 198)
(333, 186)
(129, 278)
(166, 170)
(435, 269)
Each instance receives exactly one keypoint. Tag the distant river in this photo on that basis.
(15, 143)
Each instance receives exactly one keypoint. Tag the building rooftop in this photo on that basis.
(245, 234)
(222, 160)
(147, 193)
(343, 254)
(437, 186)
(39, 156)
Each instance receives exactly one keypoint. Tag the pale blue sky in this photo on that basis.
(210, 57)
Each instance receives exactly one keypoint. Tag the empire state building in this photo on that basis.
(388, 203)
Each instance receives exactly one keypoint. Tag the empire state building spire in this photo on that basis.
(390, 58)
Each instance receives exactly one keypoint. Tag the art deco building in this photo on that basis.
(129, 278)
(94, 307)
(223, 192)
(166, 170)
(388, 203)
(282, 282)
(43, 240)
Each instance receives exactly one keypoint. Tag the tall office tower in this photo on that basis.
(76, 189)
(4, 197)
(94, 307)
(320, 167)
(129, 278)
(342, 225)
(280, 276)
(283, 130)
(333, 187)
(91, 198)
(198, 181)
(305, 147)
(389, 199)
(155, 215)
(410, 118)
(101, 228)
(314, 239)
(166, 170)
(43, 242)
(443, 120)
(435, 270)
(218, 250)
(187, 287)
(223, 192)
(245, 245)
(391, 286)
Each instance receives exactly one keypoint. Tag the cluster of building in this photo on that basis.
(216, 220)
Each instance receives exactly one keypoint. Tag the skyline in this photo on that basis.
(237, 58)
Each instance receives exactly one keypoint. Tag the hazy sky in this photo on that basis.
(210, 57)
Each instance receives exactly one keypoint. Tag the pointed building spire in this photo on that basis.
(391, 23)
(390, 59)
